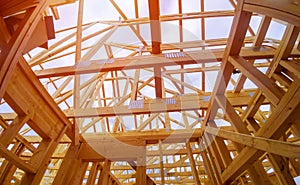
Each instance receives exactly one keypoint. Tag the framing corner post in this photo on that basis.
(141, 168)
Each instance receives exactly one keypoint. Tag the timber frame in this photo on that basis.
(88, 109)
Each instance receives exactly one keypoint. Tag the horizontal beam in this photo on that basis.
(128, 146)
(184, 102)
(183, 45)
(153, 175)
(180, 103)
(147, 137)
(196, 15)
(156, 166)
(137, 62)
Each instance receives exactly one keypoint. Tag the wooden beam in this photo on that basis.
(282, 10)
(292, 66)
(66, 166)
(56, 48)
(154, 13)
(93, 173)
(131, 26)
(208, 164)
(13, 51)
(141, 168)
(281, 169)
(147, 121)
(4, 32)
(161, 163)
(18, 136)
(134, 90)
(278, 121)
(285, 47)
(147, 137)
(259, 38)
(9, 7)
(46, 110)
(281, 148)
(137, 62)
(15, 160)
(79, 175)
(182, 103)
(158, 81)
(12, 130)
(104, 175)
(214, 159)
(40, 159)
(133, 165)
(8, 169)
(192, 162)
(256, 171)
(235, 41)
(269, 87)
(76, 97)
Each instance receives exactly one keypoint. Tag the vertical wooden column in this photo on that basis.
(158, 81)
(281, 168)
(208, 164)
(104, 175)
(203, 37)
(135, 85)
(75, 139)
(93, 173)
(141, 168)
(80, 169)
(181, 40)
(66, 171)
(154, 13)
(192, 162)
(215, 159)
(161, 163)
(136, 10)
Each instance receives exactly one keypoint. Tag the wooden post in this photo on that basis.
(161, 163)
(104, 175)
(141, 168)
(93, 173)
(65, 171)
(192, 162)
